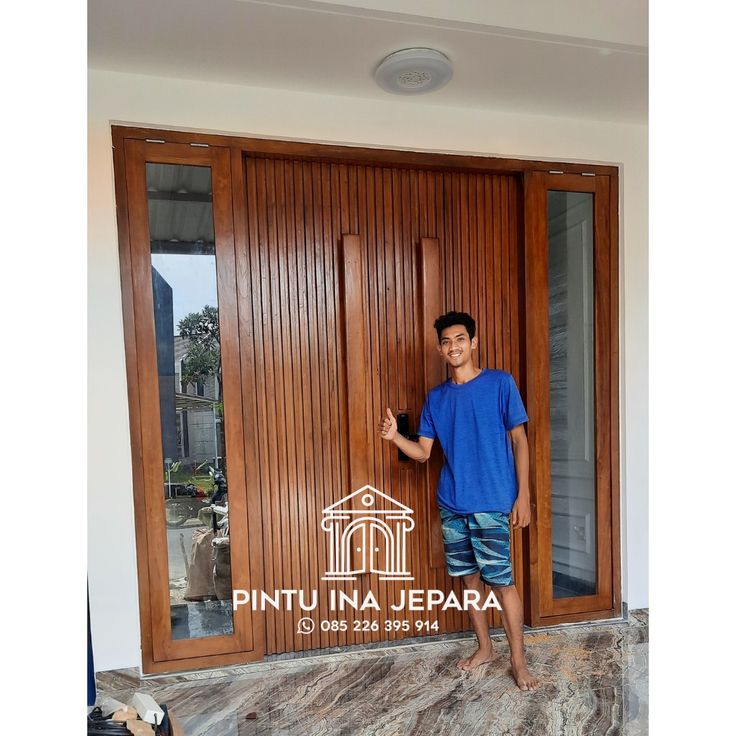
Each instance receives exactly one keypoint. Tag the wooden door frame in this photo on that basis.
(160, 652)
(240, 146)
(275, 148)
(607, 602)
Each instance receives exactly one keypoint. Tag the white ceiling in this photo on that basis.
(572, 58)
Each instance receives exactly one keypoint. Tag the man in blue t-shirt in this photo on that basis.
(478, 417)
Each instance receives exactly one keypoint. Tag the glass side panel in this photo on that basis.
(194, 472)
(572, 428)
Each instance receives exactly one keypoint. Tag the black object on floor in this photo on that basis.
(97, 723)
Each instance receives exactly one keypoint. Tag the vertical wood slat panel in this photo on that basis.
(517, 362)
(431, 308)
(392, 210)
(346, 188)
(280, 379)
(253, 365)
(420, 217)
(366, 216)
(274, 370)
(476, 277)
(453, 262)
(479, 267)
(293, 393)
(327, 376)
(290, 522)
(390, 383)
(470, 232)
(309, 340)
(425, 224)
(317, 335)
(274, 573)
(508, 300)
(495, 206)
(489, 217)
(393, 264)
(249, 385)
(504, 315)
(341, 456)
(361, 216)
(464, 294)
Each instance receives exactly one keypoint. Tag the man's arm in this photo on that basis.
(419, 451)
(521, 513)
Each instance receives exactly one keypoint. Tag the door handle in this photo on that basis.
(402, 427)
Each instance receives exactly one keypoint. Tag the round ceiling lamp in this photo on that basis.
(414, 71)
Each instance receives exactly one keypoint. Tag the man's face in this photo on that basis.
(455, 346)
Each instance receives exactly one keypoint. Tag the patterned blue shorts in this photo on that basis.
(478, 542)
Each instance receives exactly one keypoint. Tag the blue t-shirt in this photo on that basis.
(470, 420)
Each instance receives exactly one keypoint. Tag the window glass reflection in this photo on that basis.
(572, 428)
(194, 473)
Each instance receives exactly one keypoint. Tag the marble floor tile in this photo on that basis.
(594, 681)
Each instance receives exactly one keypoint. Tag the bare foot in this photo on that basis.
(481, 656)
(524, 679)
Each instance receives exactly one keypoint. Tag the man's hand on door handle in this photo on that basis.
(419, 451)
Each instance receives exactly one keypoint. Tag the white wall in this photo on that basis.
(207, 107)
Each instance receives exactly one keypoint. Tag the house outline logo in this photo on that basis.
(365, 528)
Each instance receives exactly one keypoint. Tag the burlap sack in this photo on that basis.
(200, 585)
(223, 579)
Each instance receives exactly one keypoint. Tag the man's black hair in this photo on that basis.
(455, 318)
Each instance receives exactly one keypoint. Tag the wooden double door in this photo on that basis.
(276, 304)
(346, 268)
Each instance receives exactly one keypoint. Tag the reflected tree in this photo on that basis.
(202, 330)
(202, 360)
